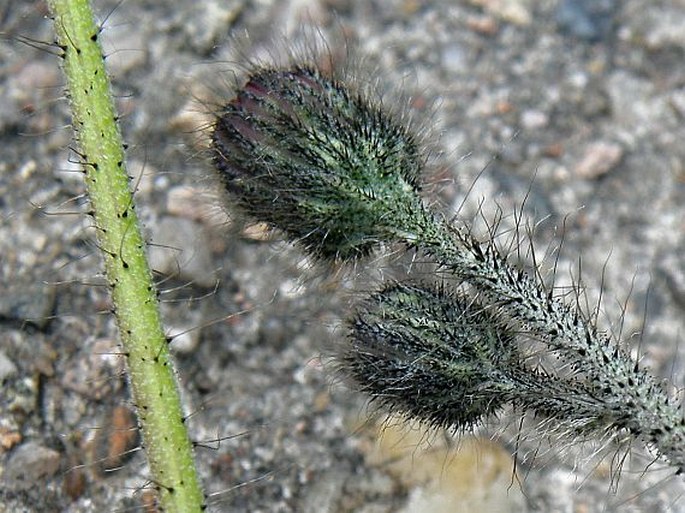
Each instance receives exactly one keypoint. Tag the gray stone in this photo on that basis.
(209, 22)
(599, 158)
(30, 465)
(591, 20)
(180, 248)
(26, 300)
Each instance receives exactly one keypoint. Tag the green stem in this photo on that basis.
(153, 384)
(633, 399)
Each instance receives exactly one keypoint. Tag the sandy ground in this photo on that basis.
(577, 106)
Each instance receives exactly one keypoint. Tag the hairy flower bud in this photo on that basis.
(430, 354)
(300, 151)
(447, 360)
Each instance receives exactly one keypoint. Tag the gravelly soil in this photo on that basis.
(582, 117)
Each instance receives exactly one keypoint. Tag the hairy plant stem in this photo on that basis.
(339, 175)
(153, 385)
(632, 399)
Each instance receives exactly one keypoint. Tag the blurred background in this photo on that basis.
(572, 108)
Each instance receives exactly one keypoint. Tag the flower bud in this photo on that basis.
(431, 355)
(446, 360)
(299, 150)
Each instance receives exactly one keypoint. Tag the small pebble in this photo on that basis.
(180, 248)
(534, 119)
(208, 22)
(598, 159)
(590, 20)
(27, 300)
(517, 12)
(485, 25)
(184, 339)
(75, 482)
(9, 438)
(117, 440)
(31, 464)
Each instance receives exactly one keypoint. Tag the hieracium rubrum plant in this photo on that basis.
(327, 163)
